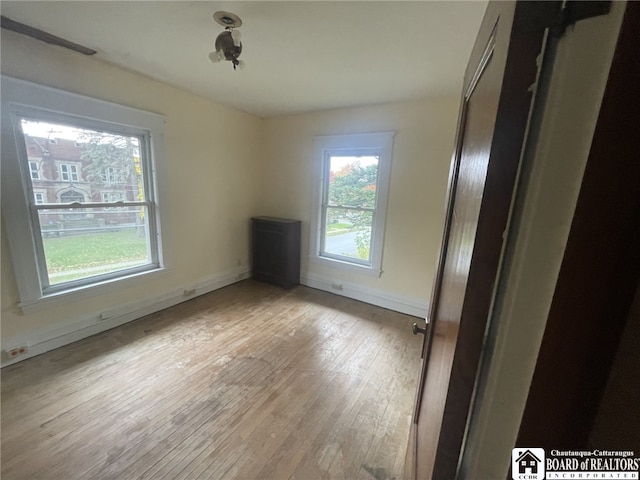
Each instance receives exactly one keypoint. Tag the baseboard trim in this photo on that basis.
(398, 303)
(50, 339)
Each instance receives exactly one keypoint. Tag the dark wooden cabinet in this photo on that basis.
(276, 250)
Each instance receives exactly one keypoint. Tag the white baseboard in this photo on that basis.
(44, 340)
(410, 306)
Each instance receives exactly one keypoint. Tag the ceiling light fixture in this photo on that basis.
(228, 45)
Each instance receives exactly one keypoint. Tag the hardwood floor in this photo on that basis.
(248, 382)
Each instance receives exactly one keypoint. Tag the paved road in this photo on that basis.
(344, 244)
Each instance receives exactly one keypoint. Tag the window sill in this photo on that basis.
(347, 266)
(88, 291)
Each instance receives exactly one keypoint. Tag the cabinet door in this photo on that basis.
(276, 250)
(269, 252)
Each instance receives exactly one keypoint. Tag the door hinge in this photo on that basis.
(572, 11)
(557, 15)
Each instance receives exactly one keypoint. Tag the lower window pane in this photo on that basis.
(81, 243)
(348, 233)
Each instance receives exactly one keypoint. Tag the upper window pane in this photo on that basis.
(352, 181)
(78, 164)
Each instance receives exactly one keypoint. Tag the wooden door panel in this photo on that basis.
(479, 115)
(496, 103)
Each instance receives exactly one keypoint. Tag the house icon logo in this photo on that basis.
(527, 464)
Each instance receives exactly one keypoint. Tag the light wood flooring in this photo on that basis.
(248, 382)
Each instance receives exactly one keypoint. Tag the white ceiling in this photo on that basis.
(300, 55)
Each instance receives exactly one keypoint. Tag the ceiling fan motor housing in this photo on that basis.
(226, 45)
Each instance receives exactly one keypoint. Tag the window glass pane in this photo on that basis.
(33, 169)
(80, 163)
(352, 181)
(348, 233)
(71, 196)
(84, 242)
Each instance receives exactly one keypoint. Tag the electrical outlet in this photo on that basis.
(187, 292)
(336, 286)
(16, 352)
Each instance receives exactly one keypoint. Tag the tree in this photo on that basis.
(110, 157)
(114, 160)
(354, 186)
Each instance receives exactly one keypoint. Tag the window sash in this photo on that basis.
(111, 175)
(41, 259)
(326, 204)
(65, 206)
(70, 172)
(46, 284)
(345, 258)
(378, 144)
(34, 170)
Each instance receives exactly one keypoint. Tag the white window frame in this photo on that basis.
(39, 198)
(111, 175)
(21, 98)
(34, 172)
(69, 172)
(380, 144)
(113, 197)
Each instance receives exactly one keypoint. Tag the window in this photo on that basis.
(111, 197)
(350, 198)
(34, 170)
(78, 241)
(90, 242)
(69, 173)
(71, 196)
(112, 175)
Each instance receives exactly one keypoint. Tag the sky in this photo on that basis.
(49, 130)
(339, 162)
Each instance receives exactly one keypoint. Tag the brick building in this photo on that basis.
(62, 172)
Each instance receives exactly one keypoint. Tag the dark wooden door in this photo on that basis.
(496, 101)
(593, 298)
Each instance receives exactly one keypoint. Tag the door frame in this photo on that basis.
(600, 269)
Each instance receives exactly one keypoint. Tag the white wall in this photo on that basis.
(211, 195)
(419, 170)
(225, 166)
(552, 174)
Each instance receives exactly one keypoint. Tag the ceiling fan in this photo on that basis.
(228, 45)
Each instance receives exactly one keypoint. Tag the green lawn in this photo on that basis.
(338, 228)
(75, 252)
